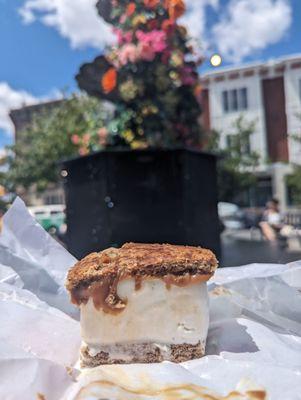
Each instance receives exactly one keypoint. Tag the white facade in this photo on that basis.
(251, 77)
(223, 121)
(292, 80)
(223, 82)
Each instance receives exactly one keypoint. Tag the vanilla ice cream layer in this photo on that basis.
(153, 314)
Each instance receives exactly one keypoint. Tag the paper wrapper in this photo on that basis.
(253, 347)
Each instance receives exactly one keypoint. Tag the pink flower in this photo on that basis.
(146, 52)
(123, 37)
(119, 35)
(155, 39)
(75, 139)
(140, 35)
(122, 19)
(128, 53)
(102, 134)
(127, 37)
(159, 41)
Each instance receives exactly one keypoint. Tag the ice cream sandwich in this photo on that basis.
(142, 303)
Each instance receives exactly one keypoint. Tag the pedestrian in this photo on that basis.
(271, 223)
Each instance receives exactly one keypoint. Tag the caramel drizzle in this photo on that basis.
(188, 391)
(184, 280)
(138, 283)
(105, 297)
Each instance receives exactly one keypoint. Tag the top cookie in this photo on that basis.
(139, 260)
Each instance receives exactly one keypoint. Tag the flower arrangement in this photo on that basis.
(150, 75)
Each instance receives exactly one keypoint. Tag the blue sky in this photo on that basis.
(43, 42)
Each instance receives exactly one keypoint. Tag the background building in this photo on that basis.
(21, 118)
(270, 94)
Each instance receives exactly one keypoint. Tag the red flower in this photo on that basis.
(131, 8)
(152, 24)
(151, 3)
(176, 8)
(168, 26)
(165, 57)
(198, 90)
(109, 80)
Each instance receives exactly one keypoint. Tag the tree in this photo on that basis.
(150, 75)
(236, 161)
(293, 180)
(75, 125)
(294, 185)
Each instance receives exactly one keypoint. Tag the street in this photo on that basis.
(244, 247)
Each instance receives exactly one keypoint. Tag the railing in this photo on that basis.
(293, 218)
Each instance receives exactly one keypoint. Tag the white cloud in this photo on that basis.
(195, 17)
(3, 153)
(76, 20)
(244, 26)
(10, 99)
(251, 25)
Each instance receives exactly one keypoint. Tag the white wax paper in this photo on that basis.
(254, 337)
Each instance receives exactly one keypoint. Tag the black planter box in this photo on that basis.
(162, 196)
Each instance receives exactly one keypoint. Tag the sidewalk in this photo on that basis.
(243, 247)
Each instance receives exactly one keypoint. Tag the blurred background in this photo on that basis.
(155, 120)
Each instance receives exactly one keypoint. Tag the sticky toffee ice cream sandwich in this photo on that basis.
(142, 303)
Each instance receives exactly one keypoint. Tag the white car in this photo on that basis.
(231, 215)
(51, 217)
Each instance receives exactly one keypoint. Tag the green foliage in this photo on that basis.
(3, 207)
(212, 141)
(238, 155)
(236, 161)
(49, 138)
(294, 185)
(293, 180)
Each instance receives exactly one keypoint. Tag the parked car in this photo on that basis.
(231, 215)
(51, 217)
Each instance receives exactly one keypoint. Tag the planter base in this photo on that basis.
(150, 196)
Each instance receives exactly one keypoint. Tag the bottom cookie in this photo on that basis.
(144, 353)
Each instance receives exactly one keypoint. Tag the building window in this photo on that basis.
(235, 100)
(225, 101)
(244, 98)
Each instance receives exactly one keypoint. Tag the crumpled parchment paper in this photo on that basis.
(254, 337)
